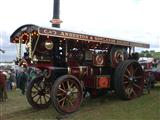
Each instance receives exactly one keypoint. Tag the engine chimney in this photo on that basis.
(56, 11)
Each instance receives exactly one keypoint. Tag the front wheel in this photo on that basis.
(38, 93)
(67, 94)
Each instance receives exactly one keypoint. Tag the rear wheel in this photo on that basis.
(67, 94)
(38, 93)
(129, 80)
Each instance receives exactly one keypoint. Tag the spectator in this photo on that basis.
(23, 80)
(154, 64)
(2, 85)
(3, 90)
(7, 74)
(18, 78)
(11, 79)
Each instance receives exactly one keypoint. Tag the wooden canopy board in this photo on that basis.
(55, 32)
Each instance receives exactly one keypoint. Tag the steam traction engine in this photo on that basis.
(75, 63)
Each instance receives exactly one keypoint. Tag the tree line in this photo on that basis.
(151, 53)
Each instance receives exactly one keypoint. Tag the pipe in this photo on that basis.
(56, 13)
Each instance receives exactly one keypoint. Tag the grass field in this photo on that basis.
(147, 107)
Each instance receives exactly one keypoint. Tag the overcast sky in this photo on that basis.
(136, 20)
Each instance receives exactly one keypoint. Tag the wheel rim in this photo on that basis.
(68, 96)
(133, 81)
(40, 93)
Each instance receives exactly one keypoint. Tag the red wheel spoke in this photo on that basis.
(63, 86)
(126, 82)
(132, 70)
(63, 103)
(138, 77)
(129, 92)
(133, 91)
(71, 85)
(128, 72)
(71, 104)
(126, 76)
(61, 90)
(137, 86)
(64, 98)
(59, 94)
(68, 85)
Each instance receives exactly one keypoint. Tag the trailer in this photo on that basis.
(76, 63)
(151, 71)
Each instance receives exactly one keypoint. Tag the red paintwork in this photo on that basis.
(44, 65)
(103, 82)
(87, 74)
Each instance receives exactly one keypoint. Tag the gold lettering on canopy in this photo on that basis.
(85, 37)
(51, 32)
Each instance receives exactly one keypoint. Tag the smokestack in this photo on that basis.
(56, 13)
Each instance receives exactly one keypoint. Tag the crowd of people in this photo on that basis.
(11, 79)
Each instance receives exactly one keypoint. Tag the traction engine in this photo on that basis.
(77, 63)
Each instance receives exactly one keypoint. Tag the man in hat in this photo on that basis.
(23, 80)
